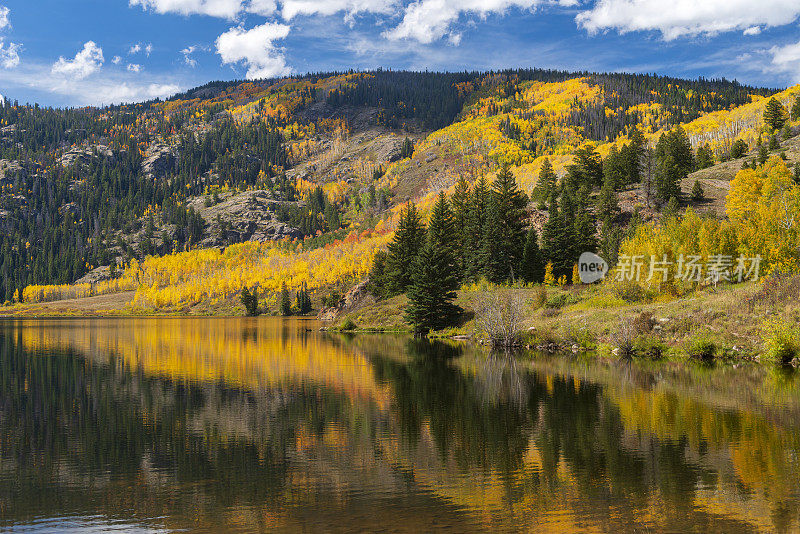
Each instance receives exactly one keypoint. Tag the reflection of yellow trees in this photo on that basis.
(763, 455)
(246, 353)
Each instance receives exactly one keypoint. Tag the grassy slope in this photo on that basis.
(596, 315)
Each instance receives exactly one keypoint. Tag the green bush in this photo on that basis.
(781, 343)
(348, 325)
(629, 291)
(562, 299)
(649, 346)
(702, 349)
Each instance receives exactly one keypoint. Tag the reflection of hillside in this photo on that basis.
(242, 353)
(221, 424)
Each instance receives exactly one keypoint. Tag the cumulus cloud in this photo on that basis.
(429, 20)
(86, 62)
(9, 54)
(680, 18)
(135, 49)
(5, 21)
(787, 59)
(134, 67)
(225, 9)
(116, 60)
(255, 48)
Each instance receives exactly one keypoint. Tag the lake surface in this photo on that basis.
(265, 425)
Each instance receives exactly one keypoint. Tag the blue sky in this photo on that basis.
(91, 52)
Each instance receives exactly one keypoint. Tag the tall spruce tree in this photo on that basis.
(434, 278)
(546, 183)
(479, 204)
(775, 114)
(407, 241)
(460, 204)
(532, 269)
(633, 153)
(510, 206)
(441, 226)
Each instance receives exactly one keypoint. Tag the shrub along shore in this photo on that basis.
(749, 322)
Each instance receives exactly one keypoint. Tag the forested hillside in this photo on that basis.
(326, 162)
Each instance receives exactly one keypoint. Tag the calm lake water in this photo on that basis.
(263, 425)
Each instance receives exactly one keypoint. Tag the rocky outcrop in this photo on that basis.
(84, 154)
(10, 170)
(99, 274)
(160, 161)
(357, 297)
(246, 216)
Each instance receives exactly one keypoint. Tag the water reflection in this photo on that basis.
(264, 425)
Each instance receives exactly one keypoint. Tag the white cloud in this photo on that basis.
(187, 56)
(262, 7)
(134, 67)
(255, 48)
(430, 20)
(148, 49)
(116, 60)
(135, 49)
(227, 9)
(5, 22)
(292, 8)
(680, 18)
(752, 30)
(110, 87)
(86, 62)
(787, 59)
(9, 54)
(224, 9)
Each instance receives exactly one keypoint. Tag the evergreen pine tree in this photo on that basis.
(532, 266)
(585, 230)
(796, 108)
(378, 283)
(286, 301)
(249, 301)
(607, 207)
(461, 202)
(405, 245)
(441, 227)
(510, 204)
(738, 149)
(774, 114)
(555, 239)
(431, 294)
(546, 183)
(475, 230)
(668, 179)
(614, 169)
(492, 257)
(633, 153)
(697, 192)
